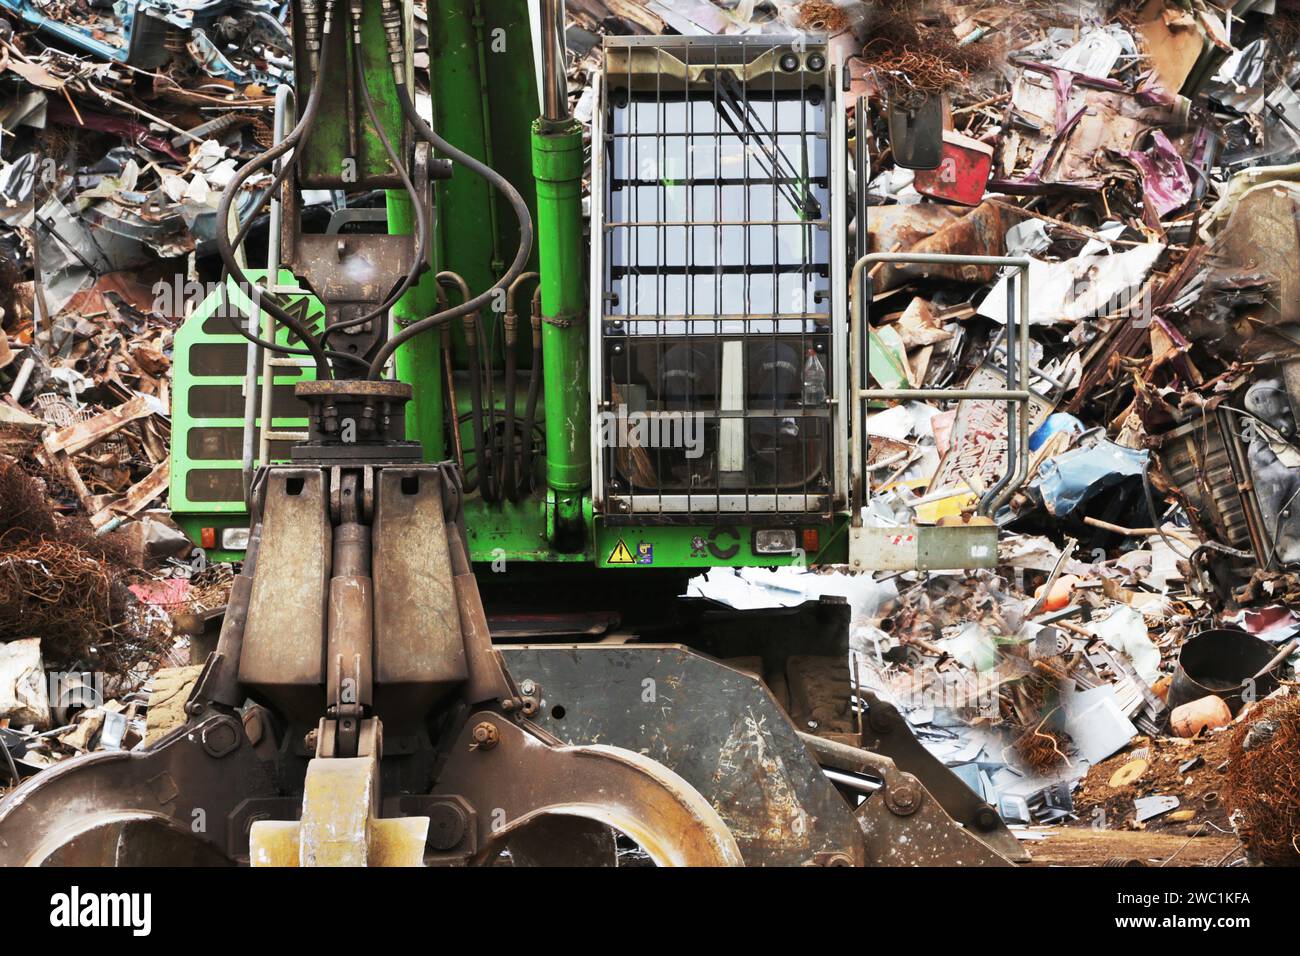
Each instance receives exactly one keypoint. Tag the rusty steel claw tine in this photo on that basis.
(525, 778)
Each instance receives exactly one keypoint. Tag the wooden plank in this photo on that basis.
(136, 497)
(81, 435)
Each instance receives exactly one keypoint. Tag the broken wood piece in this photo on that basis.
(135, 499)
(81, 435)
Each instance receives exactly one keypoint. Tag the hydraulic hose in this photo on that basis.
(510, 479)
(516, 202)
(534, 384)
(224, 245)
(420, 262)
(482, 455)
(257, 301)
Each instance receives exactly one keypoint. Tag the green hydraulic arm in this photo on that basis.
(558, 168)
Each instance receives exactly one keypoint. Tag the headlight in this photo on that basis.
(774, 542)
(234, 539)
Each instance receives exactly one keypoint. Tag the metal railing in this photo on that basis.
(258, 401)
(1016, 394)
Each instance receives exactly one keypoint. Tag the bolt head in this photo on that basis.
(486, 736)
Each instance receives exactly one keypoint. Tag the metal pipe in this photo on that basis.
(558, 167)
(22, 378)
(852, 782)
(959, 394)
(256, 355)
(1022, 420)
(1013, 405)
(555, 74)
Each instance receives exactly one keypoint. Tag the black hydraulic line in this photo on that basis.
(482, 453)
(510, 482)
(420, 262)
(491, 488)
(227, 249)
(534, 384)
(521, 255)
(224, 312)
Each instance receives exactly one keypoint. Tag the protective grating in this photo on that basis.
(715, 278)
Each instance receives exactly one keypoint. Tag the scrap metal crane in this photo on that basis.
(354, 709)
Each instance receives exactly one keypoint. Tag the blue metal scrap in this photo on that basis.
(140, 27)
(1067, 481)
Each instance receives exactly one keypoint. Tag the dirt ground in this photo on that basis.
(1199, 788)
(1077, 846)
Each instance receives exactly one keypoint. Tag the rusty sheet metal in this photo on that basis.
(419, 653)
(717, 727)
(137, 808)
(981, 232)
(285, 629)
(1261, 236)
(902, 226)
(978, 447)
(525, 779)
(81, 435)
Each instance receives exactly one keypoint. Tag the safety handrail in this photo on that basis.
(255, 403)
(1016, 394)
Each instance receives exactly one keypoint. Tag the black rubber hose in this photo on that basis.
(534, 384)
(491, 483)
(473, 336)
(482, 460)
(509, 483)
(421, 220)
(227, 250)
(225, 311)
(522, 254)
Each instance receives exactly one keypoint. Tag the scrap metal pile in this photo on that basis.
(118, 136)
(1144, 155)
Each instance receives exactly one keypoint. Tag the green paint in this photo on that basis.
(185, 381)
(707, 546)
(558, 167)
(420, 360)
(329, 160)
(480, 67)
(885, 358)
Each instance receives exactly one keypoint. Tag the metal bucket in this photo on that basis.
(1217, 662)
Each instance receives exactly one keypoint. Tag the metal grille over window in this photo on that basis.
(713, 281)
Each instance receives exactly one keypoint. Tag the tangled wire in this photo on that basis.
(1263, 787)
(908, 55)
(62, 584)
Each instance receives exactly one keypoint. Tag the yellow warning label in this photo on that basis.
(621, 554)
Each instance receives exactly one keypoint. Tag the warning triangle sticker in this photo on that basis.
(620, 554)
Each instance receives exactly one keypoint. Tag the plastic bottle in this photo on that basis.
(814, 381)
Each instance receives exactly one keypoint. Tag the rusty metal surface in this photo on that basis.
(186, 801)
(419, 653)
(281, 656)
(355, 388)
(524, 777)
(981, 232)
(885, 732)
(902, 823)
(717, 727)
